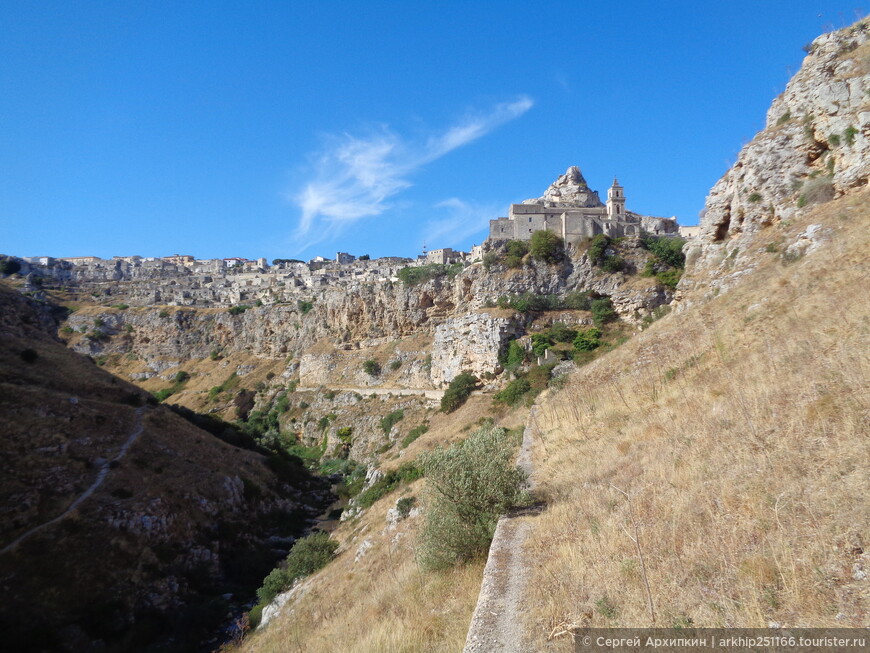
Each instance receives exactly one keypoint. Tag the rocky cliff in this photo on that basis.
(350, 321)
(814, 147)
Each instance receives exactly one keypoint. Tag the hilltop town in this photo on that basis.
(568, 208)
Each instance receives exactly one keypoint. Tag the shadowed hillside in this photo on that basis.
(165, 517)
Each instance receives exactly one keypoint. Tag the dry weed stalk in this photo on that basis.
(636, 539)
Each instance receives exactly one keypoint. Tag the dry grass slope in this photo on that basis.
(731, 440)
(380, 601)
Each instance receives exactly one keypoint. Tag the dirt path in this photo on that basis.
(404, 392)
(497, 623)
(136, 431)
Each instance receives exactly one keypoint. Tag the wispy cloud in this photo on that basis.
(463, 220)
(356, 177)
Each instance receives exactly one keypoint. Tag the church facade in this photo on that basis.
(570, 209)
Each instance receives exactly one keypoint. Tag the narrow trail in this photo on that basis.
(136, 431)
(497, 622)
(404, 392)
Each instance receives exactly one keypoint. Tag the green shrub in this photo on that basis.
(406, 473)
(396, 364)
(458, 391)
(470, 485)
(588, 339)
(546, 246)
(304, 307)
(215, 355)
(612, 264)
(413, 434)
(390, 420)
(238, 309)
(834, 140)
(577, 301)
(560, 333)
(372, 368)
(514, 392)
(307, 556)
(597, 248)
(489, 259)
(669, 278)
(755, 198)
(530, 302)
(121, 307)
(540, 343)
(344, 434)
(667, 249)
(404, 505)
(602, 311)
(516, 250)
(163, 395)
(413, 275)
(849, 135)
(514, 354)
(97, 335)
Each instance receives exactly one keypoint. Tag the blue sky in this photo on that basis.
(291, 129)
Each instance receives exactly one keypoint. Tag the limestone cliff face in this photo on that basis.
(814, 147)
(349, 322)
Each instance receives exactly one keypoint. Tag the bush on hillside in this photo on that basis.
(514, 392)
(372, 368)
(390, 420)
(514, 354)
(602, 311)
(516, 250)
(458, 391)
(470, 485)
(597, 248)
(667, 249)
(547, 246)
(307, 556)
(561, 333)
(412, 275)
(540, 343)
(588, 339)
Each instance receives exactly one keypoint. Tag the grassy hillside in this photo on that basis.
(713, 470)
(375, 597)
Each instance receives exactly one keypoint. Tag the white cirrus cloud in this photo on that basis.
(463, 220)
(356, 177)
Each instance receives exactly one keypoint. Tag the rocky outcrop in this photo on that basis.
(815, 146)
(570, 189)
(470, 343)
(344, 324)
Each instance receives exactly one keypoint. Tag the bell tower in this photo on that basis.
(616, 201)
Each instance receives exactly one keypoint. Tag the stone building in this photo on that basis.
(574, 211)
